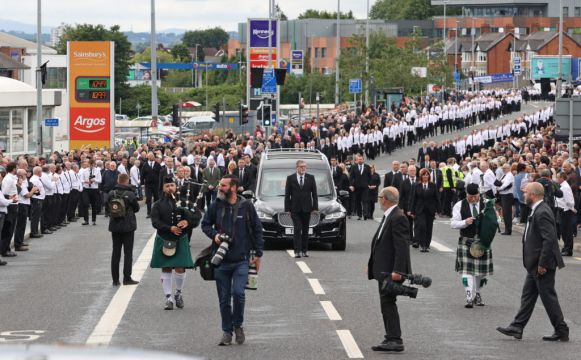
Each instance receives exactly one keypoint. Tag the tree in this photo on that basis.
(181, 53)
(89, 32)
(162, 56)
(211, 38)
(409, 10)
(282, 14)
(324, 14)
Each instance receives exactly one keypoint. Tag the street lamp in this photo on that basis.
(153, 66)
(367, 56)
(195, 70)
(560, 77)
(38, 77)
(456, 54)
(444, 32)
(338, 52)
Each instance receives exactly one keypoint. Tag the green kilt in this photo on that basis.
(181, 259)
(468, 265)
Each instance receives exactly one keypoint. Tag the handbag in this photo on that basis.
(203, 261)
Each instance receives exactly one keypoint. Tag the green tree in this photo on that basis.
(181, 53)
(162, 56)
(89, 32)
(324, 14)
(211, 38)
(409, 10)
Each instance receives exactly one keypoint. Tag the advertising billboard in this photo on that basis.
(91, 93)
(548, 67)
(297, 58)
(258, 55)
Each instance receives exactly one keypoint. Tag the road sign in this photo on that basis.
(268, 82)
(51, 122)
(355, 86)
(517, 66)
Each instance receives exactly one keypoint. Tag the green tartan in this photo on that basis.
(181, 259)
(468, 265)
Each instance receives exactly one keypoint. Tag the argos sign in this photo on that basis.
(91, 93)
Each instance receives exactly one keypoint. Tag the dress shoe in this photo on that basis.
(415, 245)
(56, 227)
(2, 263)
(478, 300)
(511, 331)
(94, 223)
(148, 216)
(359, 218)
(85, 223)
(36, 236)
(564, 337)
(130, 282)
(9, 254)
(304, 254)
(506, 233)
(47, 232)
(566, 253)
(388, 346)
(116, 283)
(297, 256)
(21, 248)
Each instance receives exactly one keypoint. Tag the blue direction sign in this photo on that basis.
(51, 122)
(517, 66)
(268, 82)
(355, 86)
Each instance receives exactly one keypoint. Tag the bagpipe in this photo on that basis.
(487, 225)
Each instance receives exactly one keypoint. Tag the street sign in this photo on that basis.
(355, 86)
(268, 82)
(51, 122)
(517, 66)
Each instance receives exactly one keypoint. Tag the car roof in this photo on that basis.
(287, 158)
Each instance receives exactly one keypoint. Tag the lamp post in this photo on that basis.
(367, 56)
(338, 52)
(560, 75)
(38, 77)
(195, 70)
(456, 54)
(444, 32)
(153, 65)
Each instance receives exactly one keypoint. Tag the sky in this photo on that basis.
(134, 15)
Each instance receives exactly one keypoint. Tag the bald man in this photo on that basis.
(541, 257)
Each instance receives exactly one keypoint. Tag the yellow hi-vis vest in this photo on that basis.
(445, 183)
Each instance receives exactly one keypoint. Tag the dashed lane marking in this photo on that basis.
(316, 286)
(304, 267)
(349, 344)
(330, 310)
(578, 258)
(291, 253)
(440, 247)
(105, 329)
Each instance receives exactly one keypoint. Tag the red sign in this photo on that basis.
(90, 123)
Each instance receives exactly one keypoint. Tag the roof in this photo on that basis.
(6, 62)
(11, 85)
(16, 42)
(489, 40)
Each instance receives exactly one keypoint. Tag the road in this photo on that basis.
(321, 307)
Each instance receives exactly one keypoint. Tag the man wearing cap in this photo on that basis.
(473, 270)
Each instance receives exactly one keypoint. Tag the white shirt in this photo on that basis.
(65, 179)
(75, 181)
(9, 185)
(299, 179)
(456, 222)
(533, 208)
(49, 186)
(567, 202)
(35, 180)
(507, 180)
(4, 203)
(22, 198)
(135, 176)
(385, 216)
(86, 173)
(121, 169)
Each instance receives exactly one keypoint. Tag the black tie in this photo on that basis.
(434, 176)
(301, 183)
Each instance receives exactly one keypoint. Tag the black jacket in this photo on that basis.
(297, 199)
(425, 200)
(150, 176)
(246, 180)
(164, 215)
(128, 223)
(541, 247)
(406, 194)
(390, 251)
(109, 180)
(392, 179)
(360, 180)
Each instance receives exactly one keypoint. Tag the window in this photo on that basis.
(577, 11)
(309, 52)
(17, 133)
(316, 52)
(565, 11)
(323, 52)
(56, 78)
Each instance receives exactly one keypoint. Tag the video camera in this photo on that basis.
(390, 287)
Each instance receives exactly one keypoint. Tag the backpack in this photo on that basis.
(549, 193)
(117, 207)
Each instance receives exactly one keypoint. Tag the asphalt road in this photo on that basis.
(322, 307)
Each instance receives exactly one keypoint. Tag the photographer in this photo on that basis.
(236, 218)
(390, 256)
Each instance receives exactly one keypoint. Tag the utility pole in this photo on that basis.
(153, 65)
(473, 62)
(456, 54)
(444, 30)
(338, 52)
(300, 110)
(367, 56)
(39, 115)
(560, 75)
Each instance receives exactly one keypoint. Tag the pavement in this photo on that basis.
(321, 307)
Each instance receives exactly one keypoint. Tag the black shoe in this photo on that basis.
(388, 346)
(130, 282)
(511, 331)
(564, 337)
(47, 232)
(566, 253)
(53, 228)
(94, 223)
(359, 218)
(2, 263)
(304, 254)
(85, 223)
(297, 256)
(116, 283)
(415, 245)
(36, 236)
(148, 216)
(9, 254)
(21, 248)
(506, 233)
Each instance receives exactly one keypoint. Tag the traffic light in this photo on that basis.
(176, 121)
(480, 86)
(216, 113)
(243, 114)
(266, 115)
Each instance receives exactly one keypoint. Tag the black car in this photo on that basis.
(328, 225)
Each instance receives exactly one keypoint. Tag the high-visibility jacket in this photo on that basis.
(445, 183)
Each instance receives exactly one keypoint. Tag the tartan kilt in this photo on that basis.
(468, 265)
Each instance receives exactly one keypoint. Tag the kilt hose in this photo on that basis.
(469, 265)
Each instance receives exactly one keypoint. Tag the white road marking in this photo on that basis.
(304, 267)
(440, 247)
(105, 329)
(349, 344)
(291, 253)
(330, 310)
(316, 285)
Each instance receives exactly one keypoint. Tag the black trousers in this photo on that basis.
(543, 286)
(35, 215)
(151, 193)
(55, 213)
(63, 208)
(447, 203)
(390, 316)
(524, 213)
(506, 202)
(21, 220)
(411, 228)
(74, 197)
(424, 224)
(125, 241)
(90, 197)
(47, 210)
(8, 229)
(565, 229)
(301, 231)
(360, 195)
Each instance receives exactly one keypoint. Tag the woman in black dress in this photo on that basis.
(424, 206)
(373, 191)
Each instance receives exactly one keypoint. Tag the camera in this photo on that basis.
(222, 250)
(390, 287)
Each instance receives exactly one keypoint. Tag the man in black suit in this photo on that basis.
(300, 199)
(359, 177)
(335, 171)
(407, 188)
(390, 257)
(394, 177)
(167, 170)
(423, 151)
(253, 172)
(150, 177)
(243, 175)
(541, 257)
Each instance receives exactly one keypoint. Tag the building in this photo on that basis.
(56, 33)
(513, 8)
(318, 37)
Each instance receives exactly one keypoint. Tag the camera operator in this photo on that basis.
(235, 217)
(390, 256)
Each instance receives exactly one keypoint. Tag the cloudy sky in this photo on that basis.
(187, 14)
